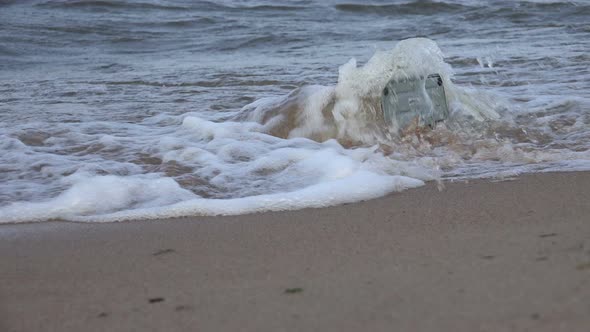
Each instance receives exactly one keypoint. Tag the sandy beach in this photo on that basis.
(477, 256)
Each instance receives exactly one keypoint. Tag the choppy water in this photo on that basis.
(113, 110)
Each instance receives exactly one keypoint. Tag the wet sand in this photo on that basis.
(478, 256)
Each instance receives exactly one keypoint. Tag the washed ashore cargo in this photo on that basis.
(415, 101)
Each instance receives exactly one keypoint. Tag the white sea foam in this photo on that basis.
(237, 160)
(358, 186)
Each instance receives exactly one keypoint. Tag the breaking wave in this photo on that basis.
(315, 147)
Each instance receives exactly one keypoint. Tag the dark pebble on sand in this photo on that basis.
(163, 252)
(293, 290)
(548, 235)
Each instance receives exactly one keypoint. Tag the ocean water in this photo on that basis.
(135, 109)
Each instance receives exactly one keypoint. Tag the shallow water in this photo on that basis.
(113, 110)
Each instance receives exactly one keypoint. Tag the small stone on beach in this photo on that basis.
(293, 290)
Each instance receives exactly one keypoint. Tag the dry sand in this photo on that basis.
(480, 256)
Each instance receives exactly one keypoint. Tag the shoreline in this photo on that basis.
(476, 256)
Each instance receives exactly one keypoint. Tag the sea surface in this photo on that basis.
(135, 109)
